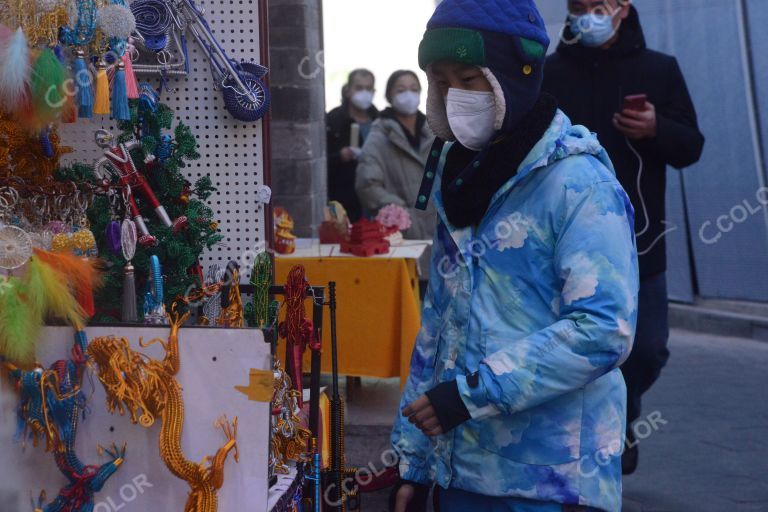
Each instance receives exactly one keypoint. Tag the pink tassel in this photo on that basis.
(131, 84)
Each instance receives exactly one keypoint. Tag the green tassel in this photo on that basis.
(47, 85)
(20, 323)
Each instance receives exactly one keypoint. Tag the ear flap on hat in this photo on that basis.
(437, 117)
(501, 101)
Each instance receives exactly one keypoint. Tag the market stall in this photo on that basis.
(134, 198)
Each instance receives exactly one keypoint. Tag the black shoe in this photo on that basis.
(629, 458)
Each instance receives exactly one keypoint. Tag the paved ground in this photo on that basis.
(711, 455)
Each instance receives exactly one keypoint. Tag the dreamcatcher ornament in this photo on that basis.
(128, 240)
(15, 247)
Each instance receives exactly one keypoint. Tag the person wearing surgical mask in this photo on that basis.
(530, 309)
(353, 119)
(601, 63)
(394, 155)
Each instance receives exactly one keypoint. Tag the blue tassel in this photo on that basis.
(120, 109)
(45, 142)
(84, 83)
(59, 51)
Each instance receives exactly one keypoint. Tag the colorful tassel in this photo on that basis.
(43, 278)
(20, 323)
(47, 85)
(84, 83)
(83, 275)
(131, 83)
(120, 108)
(101, 104)
(14, 71)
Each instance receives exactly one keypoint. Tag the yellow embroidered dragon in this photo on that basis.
(148, 389)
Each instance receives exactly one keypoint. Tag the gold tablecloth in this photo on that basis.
(378, 312)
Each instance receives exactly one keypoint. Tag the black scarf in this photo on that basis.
(470, 179)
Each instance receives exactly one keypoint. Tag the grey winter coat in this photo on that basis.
(390, 172)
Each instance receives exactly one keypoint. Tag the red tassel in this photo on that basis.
(131, 84)
(69, 113)
(85, 299)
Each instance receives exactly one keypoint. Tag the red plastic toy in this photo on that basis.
(366, 239)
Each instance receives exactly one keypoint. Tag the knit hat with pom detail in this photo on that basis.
(506, 39)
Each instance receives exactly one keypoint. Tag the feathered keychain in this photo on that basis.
(20, 322)
(54, 285)
(82, 273)
(14, 71)
(48, 287)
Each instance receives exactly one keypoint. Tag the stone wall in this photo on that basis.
(297, 82)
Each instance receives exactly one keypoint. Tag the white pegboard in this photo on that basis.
(232, 151)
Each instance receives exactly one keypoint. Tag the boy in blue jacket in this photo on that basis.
(515, 401)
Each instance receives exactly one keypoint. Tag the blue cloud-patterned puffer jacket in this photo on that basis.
(541, 300)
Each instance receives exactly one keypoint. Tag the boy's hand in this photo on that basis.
(637, 124)
(404, 496)
(423, 415)
(408, 497)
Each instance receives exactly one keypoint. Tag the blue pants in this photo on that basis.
(649, 354)
(456, 500)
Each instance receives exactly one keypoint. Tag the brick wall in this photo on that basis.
(298, 111)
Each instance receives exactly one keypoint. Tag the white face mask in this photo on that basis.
(593, 29)
(471, 115)
(362, 99)
(407, 102)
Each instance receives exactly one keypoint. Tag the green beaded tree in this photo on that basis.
(178, 252)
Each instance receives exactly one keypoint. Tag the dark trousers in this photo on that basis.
(649, 353)
(456, 500)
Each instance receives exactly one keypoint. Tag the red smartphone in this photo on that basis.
(635, 102)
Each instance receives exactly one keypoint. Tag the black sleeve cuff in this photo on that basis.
(448, 406)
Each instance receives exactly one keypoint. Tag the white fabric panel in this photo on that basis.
(213, 362)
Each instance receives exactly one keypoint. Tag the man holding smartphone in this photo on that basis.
(637, 102)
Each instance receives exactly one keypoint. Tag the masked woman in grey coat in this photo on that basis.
(392, 163)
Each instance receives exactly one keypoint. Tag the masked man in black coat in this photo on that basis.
(636, 99)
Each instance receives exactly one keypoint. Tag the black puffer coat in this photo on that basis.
(590, 84)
